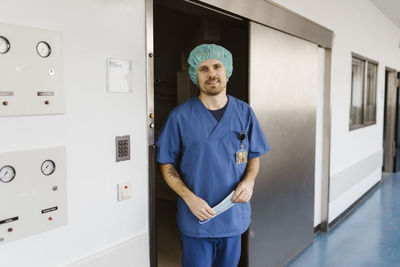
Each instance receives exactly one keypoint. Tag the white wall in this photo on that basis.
(361, 28)
(91, 31)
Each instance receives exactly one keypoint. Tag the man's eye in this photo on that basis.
(203, 69)
(217, 66)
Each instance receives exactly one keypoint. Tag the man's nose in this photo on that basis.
(212, 73)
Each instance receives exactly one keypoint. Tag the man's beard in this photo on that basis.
(213, 91)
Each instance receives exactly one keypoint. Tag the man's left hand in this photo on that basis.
(243, 192)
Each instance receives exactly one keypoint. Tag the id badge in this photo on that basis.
(241, 156)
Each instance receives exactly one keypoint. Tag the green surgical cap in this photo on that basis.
(205, 52)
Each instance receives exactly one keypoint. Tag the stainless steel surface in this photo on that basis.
(223, 13)
(389, 145)
(150, 131)
(122, 148)
(277, 17)
(326, 143)
(397, 158)
(283, 86)
(150, 70)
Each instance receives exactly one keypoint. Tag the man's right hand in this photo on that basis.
(200, 208)
(197, 205)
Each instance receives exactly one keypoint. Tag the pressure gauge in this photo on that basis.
(4, 45)
(43, 49)
(7, 174)
(48, 167)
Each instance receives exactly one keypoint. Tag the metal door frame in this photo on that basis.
(390, 147)
(272, 15)
(150, 131)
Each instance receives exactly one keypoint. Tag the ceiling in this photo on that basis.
(391, 8)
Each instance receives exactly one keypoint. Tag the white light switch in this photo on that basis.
(124, 191)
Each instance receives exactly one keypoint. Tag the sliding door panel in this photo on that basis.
(283, 93)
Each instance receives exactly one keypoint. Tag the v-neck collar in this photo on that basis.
(225, 120)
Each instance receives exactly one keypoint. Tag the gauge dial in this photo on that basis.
(4, 45)
(43, 49)
(48, 167)
(7, 174)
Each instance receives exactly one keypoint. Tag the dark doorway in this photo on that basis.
(179, 26)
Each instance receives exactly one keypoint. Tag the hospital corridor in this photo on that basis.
(199, 133)
(369, 236)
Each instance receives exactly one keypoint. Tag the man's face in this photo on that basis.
(211, 76)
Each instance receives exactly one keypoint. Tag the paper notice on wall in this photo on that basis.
(119, 75)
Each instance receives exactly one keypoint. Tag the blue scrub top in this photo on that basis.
(203, 151)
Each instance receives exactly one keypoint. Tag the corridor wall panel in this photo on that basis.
(91, 31)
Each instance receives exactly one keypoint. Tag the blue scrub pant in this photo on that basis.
(210, 252)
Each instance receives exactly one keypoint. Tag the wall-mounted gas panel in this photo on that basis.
(33, 192)
(31, 71)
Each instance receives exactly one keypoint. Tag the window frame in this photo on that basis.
(366, 61)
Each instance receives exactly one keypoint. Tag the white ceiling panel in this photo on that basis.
(391, 8)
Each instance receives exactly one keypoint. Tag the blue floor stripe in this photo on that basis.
(369, 236)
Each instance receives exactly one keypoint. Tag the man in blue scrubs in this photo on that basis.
(208, 147)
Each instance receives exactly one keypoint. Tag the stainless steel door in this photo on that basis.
(282, 92)
(389, 145)
(397, 139)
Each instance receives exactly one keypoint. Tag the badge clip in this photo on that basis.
(241, 154)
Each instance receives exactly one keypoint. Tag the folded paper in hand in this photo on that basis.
(223, 206)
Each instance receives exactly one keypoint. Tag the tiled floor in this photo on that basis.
(368, 237)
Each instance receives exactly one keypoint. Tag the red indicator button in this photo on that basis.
(126, 186)
(50, 219)
(10, 230)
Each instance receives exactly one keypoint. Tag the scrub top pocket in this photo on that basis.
(232, 138)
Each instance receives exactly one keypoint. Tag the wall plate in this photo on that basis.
(122, 148)
(31, 72)
(33, 201)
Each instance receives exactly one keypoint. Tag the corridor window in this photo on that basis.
(363, 92)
